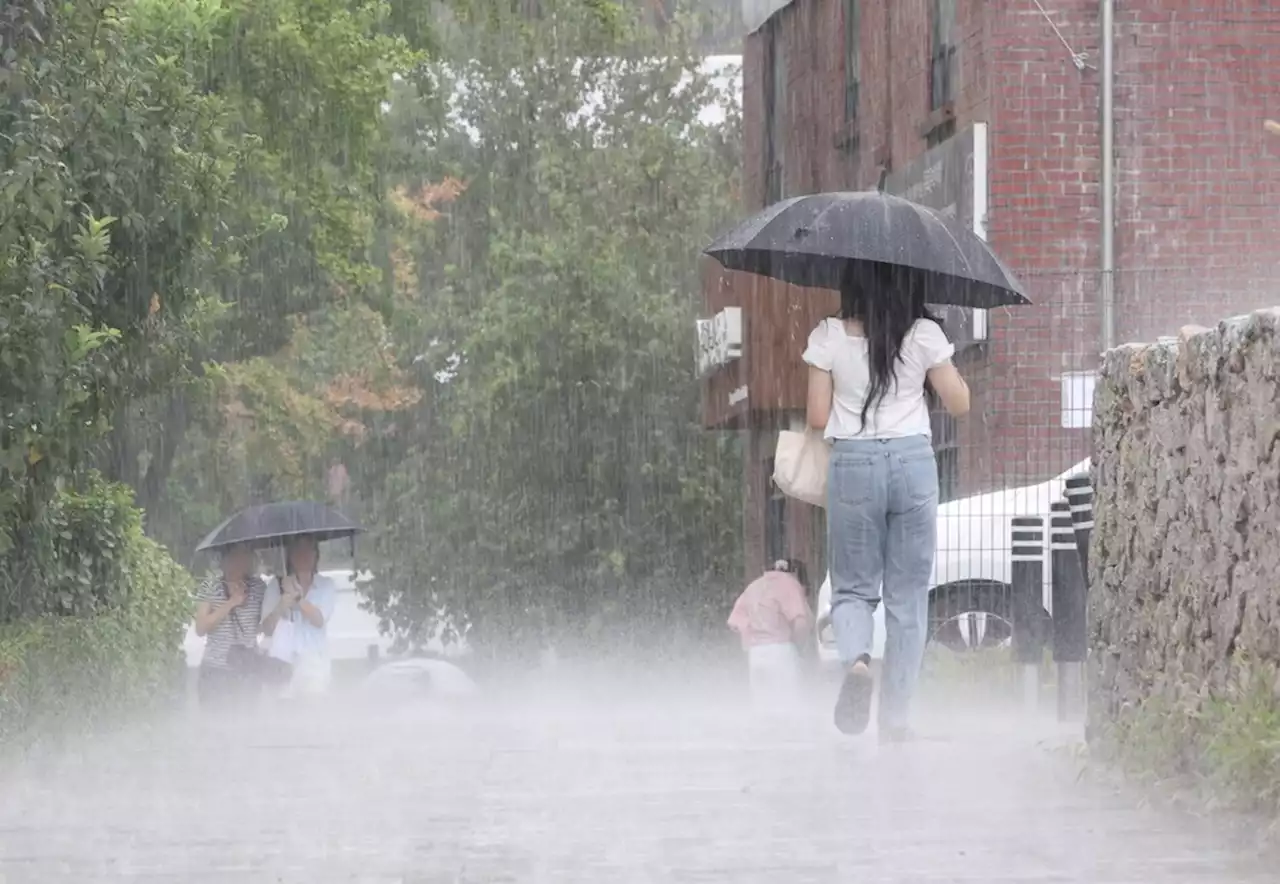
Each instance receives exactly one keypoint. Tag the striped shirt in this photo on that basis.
(239, 627)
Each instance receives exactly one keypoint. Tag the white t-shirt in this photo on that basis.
(903, 411)
(312, 667)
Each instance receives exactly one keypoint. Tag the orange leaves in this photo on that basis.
(350, 391)
(423, 203)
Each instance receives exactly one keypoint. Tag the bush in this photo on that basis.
(89, 657)
(1220, 746)
(71, 560)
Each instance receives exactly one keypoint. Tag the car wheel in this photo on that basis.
(972, 615)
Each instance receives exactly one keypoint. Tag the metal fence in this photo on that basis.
(1032, 373)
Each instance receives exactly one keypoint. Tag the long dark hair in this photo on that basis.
(887, 302)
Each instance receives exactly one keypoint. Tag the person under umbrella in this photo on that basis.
(869, 367)
(299, 607)
(228, 610)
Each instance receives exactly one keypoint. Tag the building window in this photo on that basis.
(775, 109)
(775, 521)
(852, 59)
(942, 54)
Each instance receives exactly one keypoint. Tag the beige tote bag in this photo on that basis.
(800, 466)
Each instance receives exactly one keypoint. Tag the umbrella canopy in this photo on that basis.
(820, 239)
(274, 522)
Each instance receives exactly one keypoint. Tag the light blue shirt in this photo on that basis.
(308, 639)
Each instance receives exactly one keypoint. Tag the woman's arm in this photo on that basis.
(818, 405)
(311, 613)
(289, 598)
(802, 630)
(318, 602)
(950, 387)
(272, 619)
(794, 606)
(208, 615)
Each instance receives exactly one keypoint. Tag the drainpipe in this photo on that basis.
(1108, 293)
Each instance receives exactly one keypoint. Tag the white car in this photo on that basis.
(969, 590)
(353, 630)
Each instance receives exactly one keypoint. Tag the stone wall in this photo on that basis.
(1185, 562)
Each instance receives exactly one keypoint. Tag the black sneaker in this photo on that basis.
(853, 706)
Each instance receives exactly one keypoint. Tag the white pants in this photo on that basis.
(775, 674)
(311, 676)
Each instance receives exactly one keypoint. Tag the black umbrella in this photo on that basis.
(274, 522)
(821, 239)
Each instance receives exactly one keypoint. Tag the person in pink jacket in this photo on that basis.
(774, 623)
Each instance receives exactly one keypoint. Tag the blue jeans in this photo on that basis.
(882, 513)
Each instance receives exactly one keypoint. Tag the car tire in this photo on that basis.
(989, 604)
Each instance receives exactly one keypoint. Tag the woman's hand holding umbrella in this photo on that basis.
(296, 597)
(288, 599)
(290, 592)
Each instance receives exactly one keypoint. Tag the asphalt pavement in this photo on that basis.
(609, 785)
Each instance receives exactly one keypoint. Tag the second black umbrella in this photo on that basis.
(273, 522)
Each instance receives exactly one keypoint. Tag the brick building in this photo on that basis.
(995, 107)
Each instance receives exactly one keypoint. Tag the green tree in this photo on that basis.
(558, 480)
(301, 85)
(185, 184)
(115, 167)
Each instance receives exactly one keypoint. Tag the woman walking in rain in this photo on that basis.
(228, 609)
(299, 607)
(773, 620)
(869, 367)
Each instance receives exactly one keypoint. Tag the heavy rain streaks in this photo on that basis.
(387, 472)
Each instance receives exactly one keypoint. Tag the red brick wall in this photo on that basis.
(1043, 220)
(893, 36)
(1197, 197)
(1197, 180)
(1198, 183)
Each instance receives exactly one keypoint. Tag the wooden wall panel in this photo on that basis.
(776, 320)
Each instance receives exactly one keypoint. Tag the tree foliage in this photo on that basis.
(241, 240)
(113, 171)
(300, 84)
(112, 645)
(188, 189)
(184, 183)
(557, 479)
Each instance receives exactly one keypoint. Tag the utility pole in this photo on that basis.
(1108, 293)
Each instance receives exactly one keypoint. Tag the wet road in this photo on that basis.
(576, 788)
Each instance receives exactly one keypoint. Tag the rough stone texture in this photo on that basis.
(1185, 589)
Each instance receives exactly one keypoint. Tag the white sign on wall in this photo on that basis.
(1077, 399)
(719, 339)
